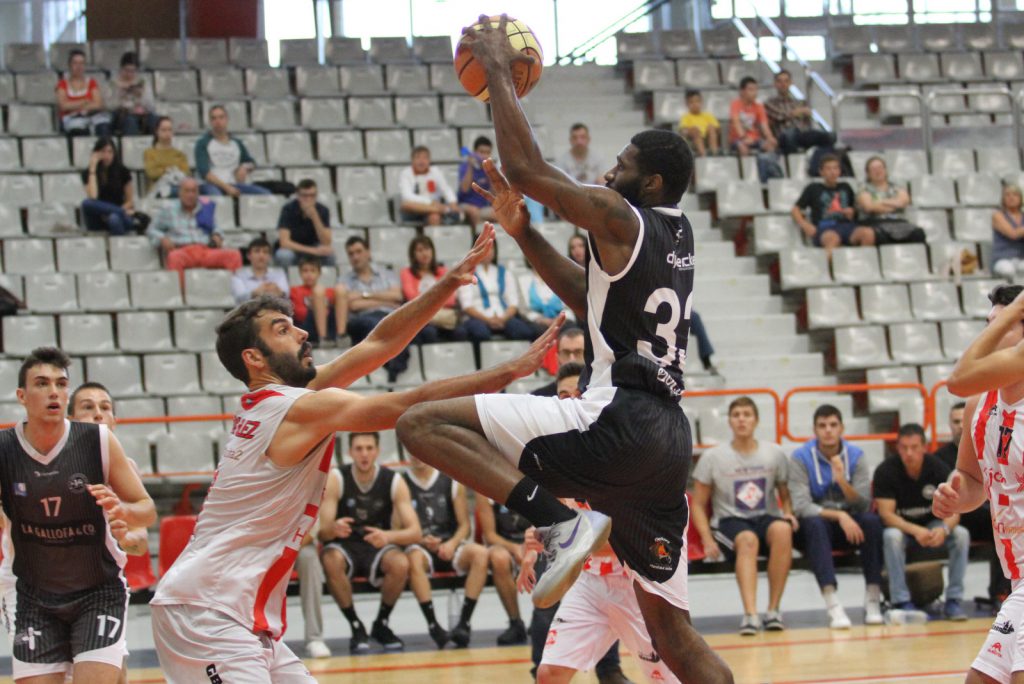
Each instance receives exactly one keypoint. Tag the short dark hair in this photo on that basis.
(958, 405)
(309, 260)
(569, 331)
(257, 243)
(577, 126)
(826, 411)
(482, 140)
(352, 436)
(420, 148)
(911, 429)
(827, 159)
(747, 80)
(75, 52)
(872, 159)
(42, 356)
(665, 153)
(88, 386)
(744, 402)
(356, 240)
(568, 370)
(237, 332)
(1004, 294)
(783, 72)
(306, 184)
(692, 93)
(215, 107)
(132, 59)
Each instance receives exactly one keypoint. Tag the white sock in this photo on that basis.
(873, 593)
(829, 594)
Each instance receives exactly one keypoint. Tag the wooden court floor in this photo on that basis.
(938, 653)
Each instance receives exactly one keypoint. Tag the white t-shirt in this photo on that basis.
(742, 485)
(425, 188)
(487, 276)
(225, 157)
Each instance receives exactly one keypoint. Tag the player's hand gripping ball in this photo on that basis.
(525, 74)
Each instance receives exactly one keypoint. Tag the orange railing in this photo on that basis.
(741, 392)
(852, 388)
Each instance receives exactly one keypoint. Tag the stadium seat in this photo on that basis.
(122, 375)
(319, 175)
(317, 81)
(630, 46)
(368, 209)
(999, 160)
(740, 198)
(133, 150)
(35, 89)
(289, 149)
(175, 532)
(103, 291)
(22, 334)
(50, 218)
(106, 54)
(904, 164)
(221, 83)
(322, 113)
(392, 241)
(171, 374)
(185, 116)
(9, 379)
(972, 225)
(206, 52)
(1013, 35)
(138, 570)
(678, 43)
(933, 192)
(45, 154)
(894, 39)
(883, 303)
(873, 69)
(432, 49)
(160, 53)
(198, 405)
(935, 301)
(904, 262)
(463, 111)
(978, 36)
(10, 158)
(861, 347)
(800, 268)
(979, 190)
(273, 115)
(912, 343)
(60, 52)
(934, 222)
(247, 52)
(341, 50)
(81, 254)
(370, 112)
(28, 256)
(362, 79)
(774, 234)
(14, 283)
(650, 74)
(27, 119)
(783, 193)
(1004, 65)
(447, 360)
(831, 307)
(952, 162)
(155, 290)
(20, 189)
(389, 50)
(962, 66)
(410, 79)
(358, 179)
(215, 378)
(184, 453)
(259, 212)
(450, 242)
(87, 334)
(735, 70)
(267, 84)
(443, 79)
(413, 111)
(176, 85)
(208, 288)
(50, 292)
(340, 147)
(132, 253)
(144, 331)
(443, 143)
(388, 146)
(10, 220)
(958, 335)
(711, 173)
(974, 296)
(889, 400)
(63, 187)
(855, 265)
(297, 52)
(693, 73)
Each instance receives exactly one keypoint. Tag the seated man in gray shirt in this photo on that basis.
(830, 481)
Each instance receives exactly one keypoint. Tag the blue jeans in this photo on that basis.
(819, 537)
(896, 544)
(100, 215)
(515, 328)
(286, 257)
(128, 123)
(244, 188)
(796, 139)
(360, 325)
(704, 348)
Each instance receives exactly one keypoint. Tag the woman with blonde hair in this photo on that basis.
(1008, 234)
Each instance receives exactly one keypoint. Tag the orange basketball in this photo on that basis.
(524, 76)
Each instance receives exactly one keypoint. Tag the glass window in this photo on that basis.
(372, 19)
(810, 48)
(804, 8)
(285, 19)
(880, 11)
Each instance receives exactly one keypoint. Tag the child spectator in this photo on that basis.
(318, 309)
(831, 203)
(700, 127)
(471, 171)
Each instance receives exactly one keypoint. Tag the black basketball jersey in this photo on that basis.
(62, 543)
(370, 508)
(639, 320)
(509, 524)
(434, 505)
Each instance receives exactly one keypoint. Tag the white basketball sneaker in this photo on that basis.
(566, 547)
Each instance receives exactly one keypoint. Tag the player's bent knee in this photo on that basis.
(554, 674)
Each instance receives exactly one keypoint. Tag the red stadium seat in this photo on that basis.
(175, 531)
(139, 572)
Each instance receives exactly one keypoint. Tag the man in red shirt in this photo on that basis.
(748, 122)
(320, 311)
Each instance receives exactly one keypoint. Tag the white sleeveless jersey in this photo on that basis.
(247, 537)
(998, 433)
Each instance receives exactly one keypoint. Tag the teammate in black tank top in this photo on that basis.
(60, 483)
(625, 446)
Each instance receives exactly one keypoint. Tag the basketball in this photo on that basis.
(472, 76)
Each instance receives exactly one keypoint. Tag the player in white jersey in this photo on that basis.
(990, 461)
(219, 613)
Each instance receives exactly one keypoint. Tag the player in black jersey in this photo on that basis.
(503, 531)
(61, 485)
(625, 445)
(358, 507)
(443, 510)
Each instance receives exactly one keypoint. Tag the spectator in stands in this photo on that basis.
(319, 309)
(471, 170)
(748, 122)
(831, 202)
(164, 164)
(110, 196)
(373, 292)
(790, 120)
(882, 203)
(311, 589)
(187, 236)
(80, 106)
(492, 305)
(1008, 234)
(578, 250)
(503, 531)
(426, 196)
(979, 521)
(578, 161)
(131, 99)
(418, 277)
(705, 350)
(359, 504)
(445, 546)
(698, 126)
(304, 228)
(745, 480)
(570, 346)
(259, 277)
(541, 305)
(830, 482)
(222, 161)
(903, 490)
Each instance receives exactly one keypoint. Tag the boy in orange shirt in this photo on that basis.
(319, 310)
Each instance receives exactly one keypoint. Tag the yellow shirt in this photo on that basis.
(701, 122)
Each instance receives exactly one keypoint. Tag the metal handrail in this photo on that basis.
(1015, 106)
(926, 132)
(851, 388)
(610, 31)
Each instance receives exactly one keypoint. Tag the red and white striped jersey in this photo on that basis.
(247, 538)
(598, 563)
(998, 433)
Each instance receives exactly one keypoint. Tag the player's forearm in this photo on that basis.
(461, 534)
(566, 278)
(141, 513)
(970, 375)
(972, 492)
(700, 521)
(404, 537)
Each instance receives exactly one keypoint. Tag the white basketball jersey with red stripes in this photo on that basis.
(241, 554)
(998, 433)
